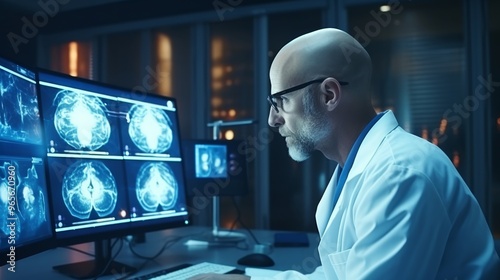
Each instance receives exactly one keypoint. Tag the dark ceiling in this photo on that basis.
(22, 20)
(76, 14)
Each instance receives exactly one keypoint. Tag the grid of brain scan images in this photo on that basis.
(24, 214)
(112, 159)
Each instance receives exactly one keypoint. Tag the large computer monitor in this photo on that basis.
(114, 164)
(25, 221)
(215, 167)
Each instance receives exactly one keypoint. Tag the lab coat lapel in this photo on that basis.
(368, 147)
(325, 206)
(371, 143)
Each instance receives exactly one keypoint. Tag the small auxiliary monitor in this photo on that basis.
(215, 167)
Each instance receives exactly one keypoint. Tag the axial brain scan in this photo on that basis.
(81, 121)
(89, 185)
(156, 186)
(150, 129)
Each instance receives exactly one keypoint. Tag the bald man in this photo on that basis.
(395, 207)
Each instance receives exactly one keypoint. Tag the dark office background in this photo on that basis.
(437, 65)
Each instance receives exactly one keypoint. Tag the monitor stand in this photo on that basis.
(98, 266)
(220, 236)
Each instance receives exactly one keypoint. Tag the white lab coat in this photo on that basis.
(404, 213)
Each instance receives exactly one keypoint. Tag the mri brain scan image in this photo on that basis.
(156, 186)
(150, 129)
(89, 185)
(19, 115)
(30, 199)
(210, 161)
(80, 120)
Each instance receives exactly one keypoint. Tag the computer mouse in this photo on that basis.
(256, 260)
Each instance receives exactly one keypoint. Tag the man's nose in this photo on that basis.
(274, 119)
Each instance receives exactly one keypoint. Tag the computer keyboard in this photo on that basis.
(185, 271)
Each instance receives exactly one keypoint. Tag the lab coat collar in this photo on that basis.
(367, 149)
(372, 141)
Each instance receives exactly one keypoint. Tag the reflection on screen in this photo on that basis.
(210, 161)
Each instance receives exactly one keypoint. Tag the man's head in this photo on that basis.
(329, 73)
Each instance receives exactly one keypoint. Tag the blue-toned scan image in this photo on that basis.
(87, 186)
(19, 115)
(150, 129)
(210, 161)
(80, 120)
(22, 186)
(87, 193)
(156, 187)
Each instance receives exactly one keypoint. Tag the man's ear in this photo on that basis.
(331, 90)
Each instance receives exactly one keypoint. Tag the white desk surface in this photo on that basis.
(304, 259)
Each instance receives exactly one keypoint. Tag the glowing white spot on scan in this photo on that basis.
(150, 129)
(80, 120)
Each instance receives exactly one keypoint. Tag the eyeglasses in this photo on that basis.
(273, 99)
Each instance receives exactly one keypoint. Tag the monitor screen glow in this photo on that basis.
(25, 222)
(210, 161)
(115, 165)
(215, 167)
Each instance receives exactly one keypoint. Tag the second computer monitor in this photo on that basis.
(115, 165)
(25, 221)
(215, 167)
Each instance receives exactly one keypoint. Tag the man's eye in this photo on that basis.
(282, 98)
(278, 100)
